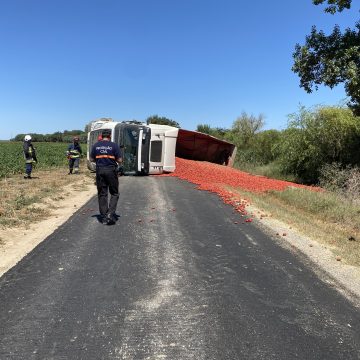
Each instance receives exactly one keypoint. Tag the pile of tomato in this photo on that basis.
(217, 178)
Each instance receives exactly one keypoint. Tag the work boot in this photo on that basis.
(110, 219)
(27, 176)
(103, 220)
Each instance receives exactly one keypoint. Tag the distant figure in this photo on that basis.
(29, 155)
(74, 153)
(107, 156)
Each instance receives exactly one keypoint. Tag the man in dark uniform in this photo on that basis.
(29, 155)
(74, 153)
(107, 156)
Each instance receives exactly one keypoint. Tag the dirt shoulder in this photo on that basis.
(67, 195)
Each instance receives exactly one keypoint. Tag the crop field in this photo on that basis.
(48, 155)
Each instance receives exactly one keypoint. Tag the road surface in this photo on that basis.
(175, 279)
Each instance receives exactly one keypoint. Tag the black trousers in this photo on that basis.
(107, 181)
(74, 163)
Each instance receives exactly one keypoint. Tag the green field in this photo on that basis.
(48, 155)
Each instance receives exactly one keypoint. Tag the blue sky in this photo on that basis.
(64, 63)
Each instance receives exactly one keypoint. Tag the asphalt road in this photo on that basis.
(175, 278)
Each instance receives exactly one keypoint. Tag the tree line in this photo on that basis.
(58, 136)
(314, 137)
(68, 135)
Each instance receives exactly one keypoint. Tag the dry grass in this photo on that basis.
(27, 201)
(322, 216)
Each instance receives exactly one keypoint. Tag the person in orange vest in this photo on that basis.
(29, 155)
(74, 153)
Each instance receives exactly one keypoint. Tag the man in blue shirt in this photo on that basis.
(107, 156)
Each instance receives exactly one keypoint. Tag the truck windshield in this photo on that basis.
(130, 142)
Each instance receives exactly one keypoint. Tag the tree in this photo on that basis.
(319, 136)
(334, 5)
(155, 119)
(217, 132)
(204, 128)
(245, 127)
(331, 59)
(264, 144)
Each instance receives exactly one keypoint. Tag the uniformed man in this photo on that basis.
(29, 156)
(107, 156)
(74, 153)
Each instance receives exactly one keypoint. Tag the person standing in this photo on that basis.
(29, 156)
(107, 156)
(74, 153)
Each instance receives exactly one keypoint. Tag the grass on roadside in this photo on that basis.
(271, 170)
(323, 216)
(23, 202)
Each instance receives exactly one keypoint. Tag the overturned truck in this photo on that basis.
(151, 148)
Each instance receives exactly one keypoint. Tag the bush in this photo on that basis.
(333, 177)
(353, 185)
(342, 181)
(264, 145)
(316, 137)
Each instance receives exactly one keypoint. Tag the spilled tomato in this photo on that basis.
(215, 178)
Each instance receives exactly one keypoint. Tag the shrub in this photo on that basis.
(316, 137)
(342, 181)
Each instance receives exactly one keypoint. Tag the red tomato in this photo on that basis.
(216, 178)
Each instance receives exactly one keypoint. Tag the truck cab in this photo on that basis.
(147, 149)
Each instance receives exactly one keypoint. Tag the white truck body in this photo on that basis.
(147, 149)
